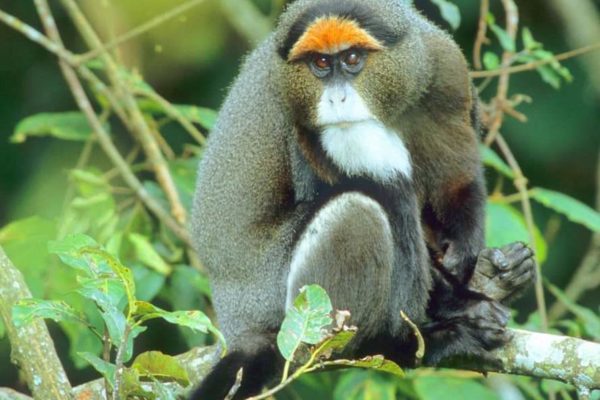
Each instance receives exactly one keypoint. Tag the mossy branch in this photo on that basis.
(32, 348)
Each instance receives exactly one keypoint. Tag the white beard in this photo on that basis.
(356, 141)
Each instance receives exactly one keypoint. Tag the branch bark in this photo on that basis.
(32, 347)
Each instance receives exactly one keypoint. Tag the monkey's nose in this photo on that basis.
(338, 95)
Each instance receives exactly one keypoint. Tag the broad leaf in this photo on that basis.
(364, 385)
(492, 159)
(66, 126)
(378, 363)
(156, 365)
(450, 12)
(25, 311)
(442, 387)
(504, 224)
(573, 209)
(589, 319)
(146, 253)
(107, 370)
(195, 320)
(306, 321)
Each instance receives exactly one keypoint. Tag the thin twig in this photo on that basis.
(139, 125)
(35, 36)
(104, 139)
(481, 38)
(520, 182)
(143, 28)
(500, 101)
(536, 64)
(172, 112)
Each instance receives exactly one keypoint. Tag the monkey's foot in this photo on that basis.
(472, 331)
(504, 274)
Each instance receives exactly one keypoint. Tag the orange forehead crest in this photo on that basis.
(330, 35)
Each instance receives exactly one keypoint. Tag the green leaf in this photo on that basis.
(107, 293)
(306, 321)
(195, 320)
(450, 12)
(491, 60)
(507, 43)
(25, 311)
(121, 271)
(200, 115)
(441, 387)
(156, 365)
(504, 224)
(146, 253)
(589, 319)
(573, 209)
(492, 159)
(364, 385)
(529, 42)
(107, 370)
(68, 249)
(335, 343)
(66, 126)
(205, 117)
(377, 363)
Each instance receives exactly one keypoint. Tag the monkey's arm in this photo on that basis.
(471, 319)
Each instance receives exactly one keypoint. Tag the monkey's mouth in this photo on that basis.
(346, 123)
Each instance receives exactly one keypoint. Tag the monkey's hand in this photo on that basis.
(504, 274)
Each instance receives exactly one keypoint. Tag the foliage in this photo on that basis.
(108, 292)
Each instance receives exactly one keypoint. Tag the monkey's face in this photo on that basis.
(338, 72)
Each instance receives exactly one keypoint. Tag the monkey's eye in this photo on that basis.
(322, 61)
(352, 58)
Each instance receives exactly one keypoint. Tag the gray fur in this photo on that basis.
(254, 187)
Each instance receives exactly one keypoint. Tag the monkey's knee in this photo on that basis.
(347, 248)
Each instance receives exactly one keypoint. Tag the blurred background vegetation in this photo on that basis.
(193, 58)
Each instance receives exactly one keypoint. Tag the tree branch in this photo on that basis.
(32, 347)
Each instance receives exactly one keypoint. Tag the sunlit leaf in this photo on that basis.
(491, 60)
(507, 43)
(194, 319)
(156, 365)
(363, 385)
(305, 322)
(504, 224)
(146, 253)
(107, 370)
(573, 209)
(589, 319)
(377, 362)
(442, 387)
(450, 12)
(26, 310)
(492, 159)
(66, 126)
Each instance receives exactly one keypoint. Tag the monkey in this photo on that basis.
(346, 155)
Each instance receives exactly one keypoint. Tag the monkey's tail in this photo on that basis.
(258, 369)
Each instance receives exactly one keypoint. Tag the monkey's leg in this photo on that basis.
(347, 249)
(504, 274)
(458, 216)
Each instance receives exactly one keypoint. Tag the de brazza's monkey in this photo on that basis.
(346, 155)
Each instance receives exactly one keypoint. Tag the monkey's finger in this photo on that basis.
(511, 247)
(509, 278)
(490, 260)
(517, 256)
